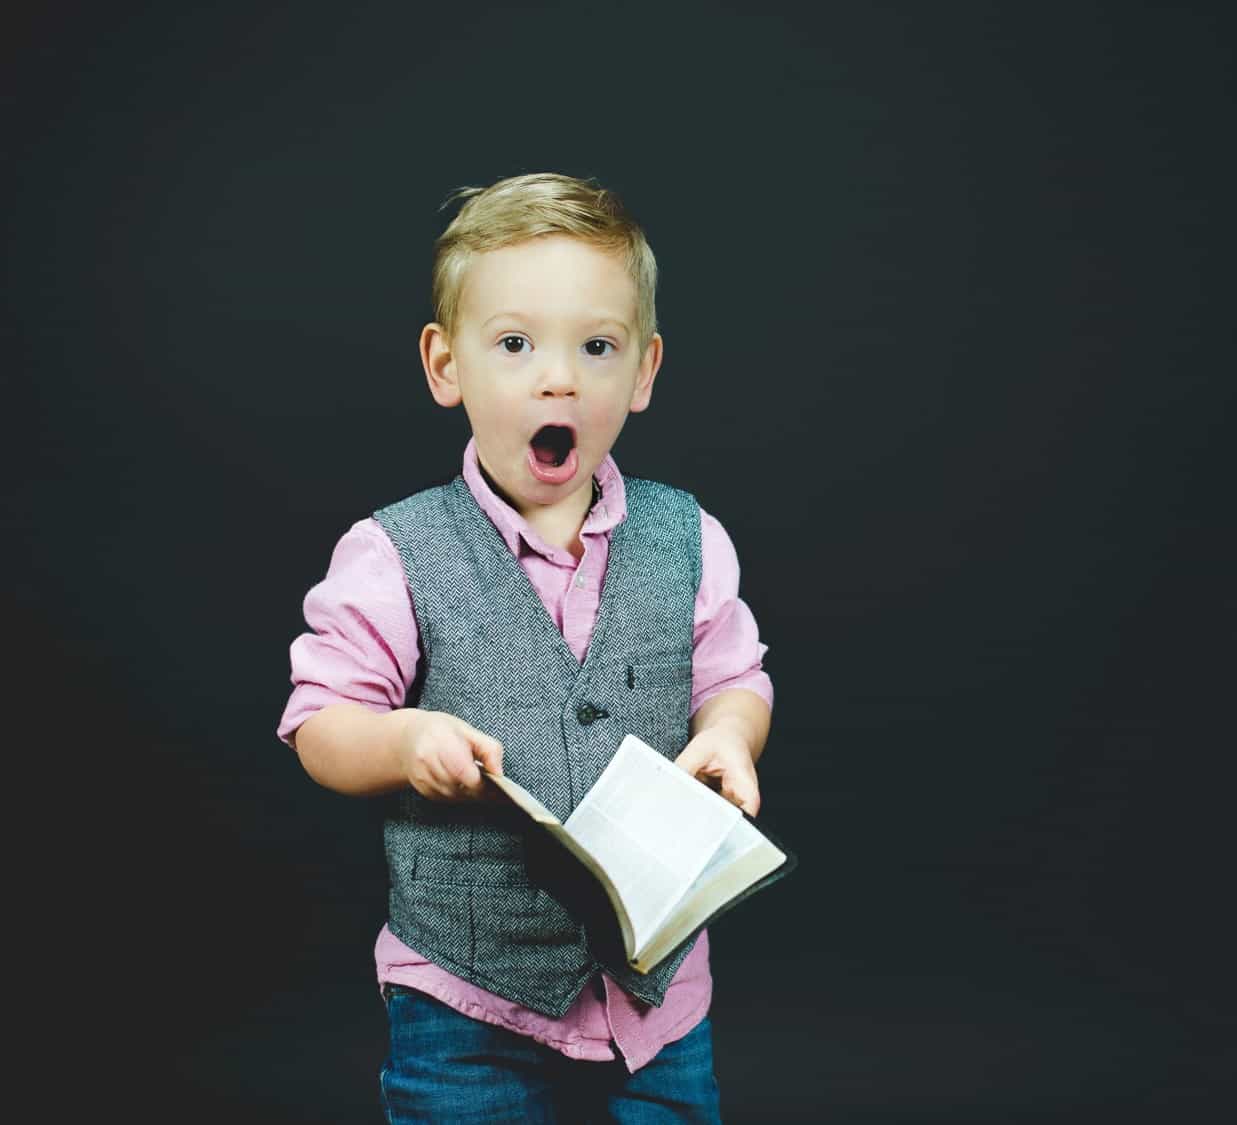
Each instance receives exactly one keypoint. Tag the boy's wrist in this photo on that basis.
(400, 736)
(739, 732)
(738, 713)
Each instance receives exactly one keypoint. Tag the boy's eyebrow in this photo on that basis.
(613, 320)
(595, 321)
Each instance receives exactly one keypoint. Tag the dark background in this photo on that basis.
(948, 312)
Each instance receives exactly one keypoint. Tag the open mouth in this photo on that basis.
(552, 456)
(551, 445)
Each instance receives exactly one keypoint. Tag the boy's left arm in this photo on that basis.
(731, 692)
(728, 734)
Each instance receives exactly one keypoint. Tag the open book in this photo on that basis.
(670, 853)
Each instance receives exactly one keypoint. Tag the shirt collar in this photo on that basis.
(608, 510)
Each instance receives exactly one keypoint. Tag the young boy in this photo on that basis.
(522, 619)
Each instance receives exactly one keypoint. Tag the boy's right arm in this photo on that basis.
(353, 750)
(362, 644)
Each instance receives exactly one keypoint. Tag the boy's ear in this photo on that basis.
(649, 365)
(439, 363)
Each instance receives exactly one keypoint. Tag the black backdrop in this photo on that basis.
(946, 353)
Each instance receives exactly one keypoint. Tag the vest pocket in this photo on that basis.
(657, 705)
(522, 933)
(438, 919)
(461, 871)
(658, 675)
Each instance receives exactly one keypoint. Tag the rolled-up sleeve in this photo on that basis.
(362, 643)
(727, 650)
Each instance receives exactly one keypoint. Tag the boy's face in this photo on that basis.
(546, 361)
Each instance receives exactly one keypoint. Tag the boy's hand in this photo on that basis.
(439, 754)
(720, 758)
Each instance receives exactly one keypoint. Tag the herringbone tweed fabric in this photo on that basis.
(460, 890)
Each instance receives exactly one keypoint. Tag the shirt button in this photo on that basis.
(579, 580)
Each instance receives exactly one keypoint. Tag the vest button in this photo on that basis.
(587, 713)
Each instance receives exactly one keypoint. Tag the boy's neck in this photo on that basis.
(559, 529)
(559, 526)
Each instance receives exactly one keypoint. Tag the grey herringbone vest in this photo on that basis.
(460, 887)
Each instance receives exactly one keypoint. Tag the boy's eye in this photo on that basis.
(598, 347)
(514, 344)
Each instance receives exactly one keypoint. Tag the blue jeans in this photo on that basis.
(444, 1066)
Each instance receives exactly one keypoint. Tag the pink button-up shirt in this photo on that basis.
(363, 649)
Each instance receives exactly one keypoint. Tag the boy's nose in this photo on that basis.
(557, 378)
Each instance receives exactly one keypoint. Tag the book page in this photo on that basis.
(740, 840)
(745, 857)
(653, 828)
(542, 816)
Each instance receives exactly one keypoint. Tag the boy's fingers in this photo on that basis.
(743, 793)
(463, 772)
(488, 753)
(692, 758)
(447, 776)
(699, 765)
(739, 788)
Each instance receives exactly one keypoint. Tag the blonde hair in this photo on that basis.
(541, 203)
